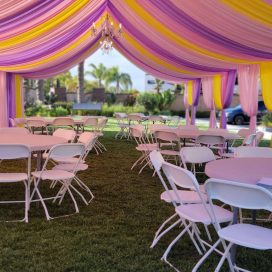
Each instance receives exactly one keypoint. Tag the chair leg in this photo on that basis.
(160, 233)
(223, 258)
(71, 195)
(26, 201)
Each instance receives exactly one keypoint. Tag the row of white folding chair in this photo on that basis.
(37, 125)
(243, 196)
(197, 213)
(88, 139)
(12, 152)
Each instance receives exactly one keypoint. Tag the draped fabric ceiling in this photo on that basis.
(177, 40)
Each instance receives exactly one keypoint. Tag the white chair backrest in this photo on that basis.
(63, 121)
(180, 176)
(66, 150)
(91, 121)
(188, 127)
(14, 130)
(86, 137)
(196, 154)
(249, 140)
(240, 195)
(156, 159)
(210, 140)
(102, 121)
(135, 117)
(244, 132)
(166, 136)
(36, 123)
(68, 134)
(10, 152)
(253, 152)
(120, 115)
(154, 127)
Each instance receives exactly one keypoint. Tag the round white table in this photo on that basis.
(246, 170)
(36, 143)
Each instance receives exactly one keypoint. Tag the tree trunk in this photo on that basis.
(117, 86)
(80, 90)
(41, 89)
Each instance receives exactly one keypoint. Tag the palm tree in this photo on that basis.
(159, 83)
(80, 90)
(99, 73)
(114, 75)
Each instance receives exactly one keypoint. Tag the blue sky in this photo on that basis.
(114, 58)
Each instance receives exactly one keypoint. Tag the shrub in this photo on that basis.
(59, 111)
(63, 104)
(148, 100)
(267, 119)
(130, 100)
(155, 103)
(109, 110)
(110, 98)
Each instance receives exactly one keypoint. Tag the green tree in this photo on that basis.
(98, 72)
(80, 90)
(113, 75)
(159, 83)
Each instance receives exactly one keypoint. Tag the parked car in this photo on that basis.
(238, 117)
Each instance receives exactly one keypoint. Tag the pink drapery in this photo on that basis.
(3, 98)
(248, 76)
(207, 90)
(186, 105)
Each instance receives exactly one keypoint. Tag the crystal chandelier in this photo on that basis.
(108, 34)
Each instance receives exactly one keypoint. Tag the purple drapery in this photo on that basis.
(227, 88)
(248, 76)
(11, 95)
(3, 98)
(186, 105)
(196, 94)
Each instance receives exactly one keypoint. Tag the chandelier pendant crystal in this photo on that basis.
(109, 33)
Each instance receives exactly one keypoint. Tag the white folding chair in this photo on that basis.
(63, 122)
(196, 155)
(188, 127)
(62, 176)
(101, 124)
(155, 118)
(245, 196)
(249, 140)
(12, 152)
(143, 146)
(68, 134)
(214, 142)
(188, 197)
(172, 140)
(192, 213)
(259, 137)
(123, 125)
(88, 140)
(151, 128)
(90, 123)
(34, 124)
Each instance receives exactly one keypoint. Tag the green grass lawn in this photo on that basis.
(113, 233)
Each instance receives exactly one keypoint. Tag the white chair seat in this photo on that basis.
(71, 166)
(189, 197)
(197, 213)
(147, 147)
(247, 235)
(66, 160)
(13, 177)
(53, 175)
(169, 152)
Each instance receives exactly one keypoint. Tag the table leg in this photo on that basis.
(254, 215)
(227, 146)
(234, 247)
(39, 168)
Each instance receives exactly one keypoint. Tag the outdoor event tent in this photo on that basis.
(194, 42)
